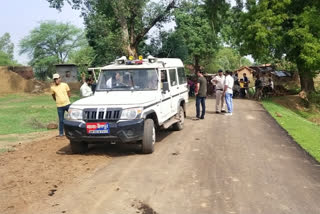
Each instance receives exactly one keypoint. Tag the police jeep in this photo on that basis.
(133, 99)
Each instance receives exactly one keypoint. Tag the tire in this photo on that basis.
(149, 137)
(78, 147)
(179, 125)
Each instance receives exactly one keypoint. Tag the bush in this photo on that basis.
(314, 98)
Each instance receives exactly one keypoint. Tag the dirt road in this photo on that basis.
(240, 164)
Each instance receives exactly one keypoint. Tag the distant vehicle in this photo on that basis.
(133, 98)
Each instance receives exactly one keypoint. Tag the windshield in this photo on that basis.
(137, 79)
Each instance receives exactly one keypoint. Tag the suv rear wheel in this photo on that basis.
(180, 116)
(149, 137)
(78, 147)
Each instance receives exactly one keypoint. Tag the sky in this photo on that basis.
(19, 17)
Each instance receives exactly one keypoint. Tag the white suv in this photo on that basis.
(132, 100)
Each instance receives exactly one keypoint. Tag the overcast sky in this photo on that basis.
(19, 17)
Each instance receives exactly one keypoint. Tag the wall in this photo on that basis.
(63, 69)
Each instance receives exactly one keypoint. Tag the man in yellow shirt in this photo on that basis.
(60, 92)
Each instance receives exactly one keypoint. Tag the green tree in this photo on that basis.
(198, 35)
(126, 21)
(273, 29)
(227, 59)
(49, 44)
(6, 50)
(6, 46)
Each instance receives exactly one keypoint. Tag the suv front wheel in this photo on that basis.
(180, 116)
(149, 137)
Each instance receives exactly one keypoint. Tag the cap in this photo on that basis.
(56, 76)
(220, 70)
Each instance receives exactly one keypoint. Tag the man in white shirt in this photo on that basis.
(85, 89)
(218, 81)
(228, 85)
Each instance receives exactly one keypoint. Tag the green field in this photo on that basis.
(25, 113)
(304, 132)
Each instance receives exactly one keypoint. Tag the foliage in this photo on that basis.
(83, 58)
(119, 25)
(6, 60)
(6, 50)
(272, 29)
(6, 46)
(194, 27)
(227, 59)
(167, 45)
(304, 132)
(49, 44)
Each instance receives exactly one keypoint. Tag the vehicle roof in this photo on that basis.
(160, 63)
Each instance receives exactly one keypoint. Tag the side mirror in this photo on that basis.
(165, 87)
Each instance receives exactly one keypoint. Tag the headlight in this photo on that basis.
(75, 114)
(131, 113)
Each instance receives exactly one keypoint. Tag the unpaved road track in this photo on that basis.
(240, 164)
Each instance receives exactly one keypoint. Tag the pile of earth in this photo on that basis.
(12, 82)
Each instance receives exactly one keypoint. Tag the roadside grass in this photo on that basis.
(26, 113)
(304, 132)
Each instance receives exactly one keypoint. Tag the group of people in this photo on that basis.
(224, 92)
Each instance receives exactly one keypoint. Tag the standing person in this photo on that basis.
(60, 93)
(228, 92)
(219, 82)
(85, 89)
(201, 94)
(246, 83)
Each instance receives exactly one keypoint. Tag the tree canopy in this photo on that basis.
(272, 29)
(6, 50)
(197, 34)
(51, 43)
(119, 26)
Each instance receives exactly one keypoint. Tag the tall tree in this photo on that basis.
(270, 29)
(51, 43)
(6, 46)
(126, 20)
(194, 27)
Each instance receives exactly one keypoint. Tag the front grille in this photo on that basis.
(101, 114)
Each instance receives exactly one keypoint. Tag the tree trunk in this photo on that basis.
(306, 82)
(306, 78)
(196, 64)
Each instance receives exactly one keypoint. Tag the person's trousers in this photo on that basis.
(219, 100)
(202, 101)
(229, 102)
(61, 111)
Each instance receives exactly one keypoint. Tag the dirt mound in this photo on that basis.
(12, 82)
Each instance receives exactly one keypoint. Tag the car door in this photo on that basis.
(174, 89)
(166, 99)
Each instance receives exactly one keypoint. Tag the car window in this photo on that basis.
(173, 77)
(182, 76)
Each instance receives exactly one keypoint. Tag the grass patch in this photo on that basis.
(26, 113)
(304, 132)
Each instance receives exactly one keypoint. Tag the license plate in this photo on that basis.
(98, 128)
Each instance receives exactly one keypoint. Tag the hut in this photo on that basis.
(67, 72)
(246, 70)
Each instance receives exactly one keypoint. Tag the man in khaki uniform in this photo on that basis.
(60, 92)
(218, 81)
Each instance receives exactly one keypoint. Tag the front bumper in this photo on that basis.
(124, 132)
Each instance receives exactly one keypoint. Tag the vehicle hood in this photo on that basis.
(118, 98)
